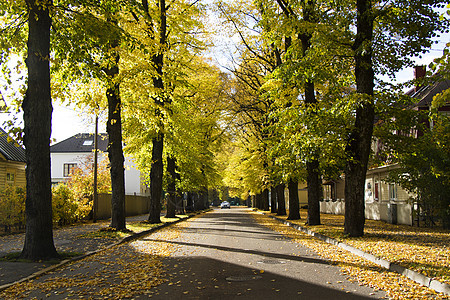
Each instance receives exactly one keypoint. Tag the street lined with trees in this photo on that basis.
(303, 101)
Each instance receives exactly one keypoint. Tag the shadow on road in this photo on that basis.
(207, 278)
(246, 251)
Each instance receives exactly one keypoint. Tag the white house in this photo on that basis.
(70, 153)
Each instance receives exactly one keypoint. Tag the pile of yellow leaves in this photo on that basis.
(365, 272)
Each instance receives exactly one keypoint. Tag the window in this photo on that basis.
(10, 178)
(327, 190)
(376, 196)
(88, 142)
(68, 169)
(392, 192)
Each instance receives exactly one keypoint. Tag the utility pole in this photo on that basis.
(95, 171)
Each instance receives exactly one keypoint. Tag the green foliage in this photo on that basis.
(423, 158)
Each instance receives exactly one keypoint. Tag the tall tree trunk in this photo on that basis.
(281, 201)
(171, 188)
(205, 198)
(315, 192)
(273, 200)
(312, 165)
(266, 200)
(37, 115)
(294, 206)
(259, 201)
(115, 151)
(180, 202)
(156, 171)
(359, 142)
(156, 179)
(198, 202)
(189, 202)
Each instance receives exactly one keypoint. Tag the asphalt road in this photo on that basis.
(225, 254)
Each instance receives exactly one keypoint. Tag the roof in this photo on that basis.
(11, 150)
(81, 142)
(426, 92)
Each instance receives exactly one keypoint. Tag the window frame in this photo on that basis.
(13, 174)
(68, 169)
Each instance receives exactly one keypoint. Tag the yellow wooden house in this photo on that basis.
(12, 162)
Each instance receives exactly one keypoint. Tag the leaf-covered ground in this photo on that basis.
(427, 251)
(120, 272)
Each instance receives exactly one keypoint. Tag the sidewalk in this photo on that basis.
(72, 239)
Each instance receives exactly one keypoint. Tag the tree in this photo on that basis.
(419, 150)
(167, 36)
(376, 28)
(114, 129)
(37, 108)
(171, 187)
(281, 203)
(89, 41)
(249, 106)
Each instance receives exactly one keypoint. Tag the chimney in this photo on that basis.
(419, 72)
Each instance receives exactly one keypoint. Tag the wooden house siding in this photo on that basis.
(17, 168)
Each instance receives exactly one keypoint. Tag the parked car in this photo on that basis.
(225, 204)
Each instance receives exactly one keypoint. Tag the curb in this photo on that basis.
(411, 274)
(74, 259)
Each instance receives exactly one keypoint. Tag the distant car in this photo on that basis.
(225, 204)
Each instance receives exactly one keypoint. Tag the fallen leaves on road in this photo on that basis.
(355, 267)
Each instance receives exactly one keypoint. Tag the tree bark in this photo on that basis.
(273, 200)
(281, 201)
(189, 202)
(359, 142)
(179, 202)
(171, 188)
(258, 198)
(312, 165)
(115, 151)
(156, 171)
(156, 179)
(315, 192)
(266, 200)
(37, 115)
(294, 206)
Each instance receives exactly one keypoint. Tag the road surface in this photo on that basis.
(223, 254)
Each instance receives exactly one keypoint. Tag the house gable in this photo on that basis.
(10, 149)
(81, 142)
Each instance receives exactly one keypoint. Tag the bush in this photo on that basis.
(66, 209)
(12, 207)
